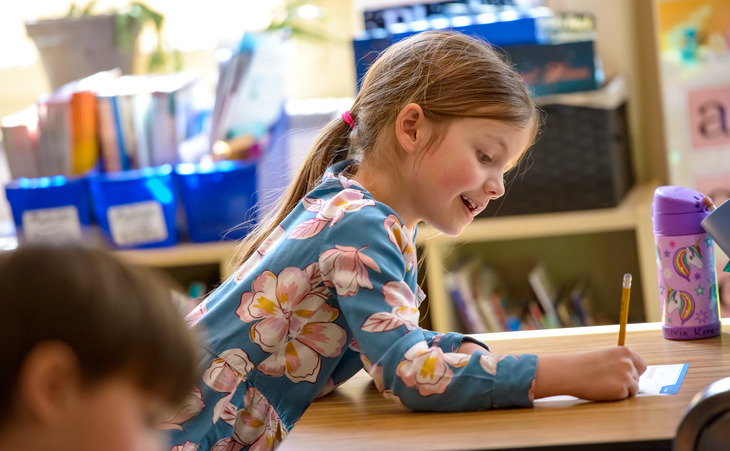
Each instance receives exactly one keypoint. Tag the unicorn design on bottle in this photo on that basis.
(682, 301)
(686, 257)
(686, 276)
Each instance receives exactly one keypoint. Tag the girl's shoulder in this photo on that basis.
(339, 194)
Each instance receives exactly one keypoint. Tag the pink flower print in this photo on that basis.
(329, 212)
(294, 323)
(345, 269)
(489, 361)
(344, 181)
(187, 446)
(404, 312)
(196, 314)
(257, 424)
(374, 370)
(429, 368)
(192, 406)
(227, 444)
(354, 345)
(228, 370)
(402, 238)
(225, 410)
(329, 387)
(268, 245)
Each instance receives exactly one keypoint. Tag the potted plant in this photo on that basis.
(83, 42)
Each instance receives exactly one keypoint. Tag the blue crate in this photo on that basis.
(136, 209)
(219, 199)
(50, 209)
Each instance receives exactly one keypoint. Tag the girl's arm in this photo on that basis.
(373, 276)
(601, 375)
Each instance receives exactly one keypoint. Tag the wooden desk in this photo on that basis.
(357, 417)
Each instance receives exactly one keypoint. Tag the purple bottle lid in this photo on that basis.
(678, 211)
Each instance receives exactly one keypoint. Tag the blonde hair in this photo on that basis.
(450, 75)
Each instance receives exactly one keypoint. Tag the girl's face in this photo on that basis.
(455, 178)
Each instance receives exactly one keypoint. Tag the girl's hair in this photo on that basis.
(117, 319)
(450, 75)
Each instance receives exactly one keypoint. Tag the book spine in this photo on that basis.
(84, 141)
(464, 304)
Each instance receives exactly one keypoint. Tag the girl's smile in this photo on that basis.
(454, 179)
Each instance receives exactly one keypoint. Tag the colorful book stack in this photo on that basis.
(100, 158)
(105, 122)
(483, 302)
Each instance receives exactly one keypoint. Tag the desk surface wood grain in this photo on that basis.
(357, 417)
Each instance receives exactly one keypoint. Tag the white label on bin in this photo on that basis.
(138, 223)
(52, 224)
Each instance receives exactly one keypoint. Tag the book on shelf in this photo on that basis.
(54, 134)
(232, 69)
(106, 121)
(482, 302)
(534, 317)
(489, 293)
(459, 285)
(83, 122)
(20, 142)
(580, 303)
(546, 295)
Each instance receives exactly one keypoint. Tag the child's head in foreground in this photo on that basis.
(94, 351)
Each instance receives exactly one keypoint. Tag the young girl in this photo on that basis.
(328, 285)
(93, 352)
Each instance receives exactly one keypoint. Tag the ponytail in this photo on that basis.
(450, 75)
(331, 146)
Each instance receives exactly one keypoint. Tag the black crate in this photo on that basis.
(582, 160)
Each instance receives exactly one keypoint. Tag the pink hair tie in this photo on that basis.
(347, 118)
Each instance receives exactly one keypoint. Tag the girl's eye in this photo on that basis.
(484, 158)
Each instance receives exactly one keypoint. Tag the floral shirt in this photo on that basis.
(332, 290)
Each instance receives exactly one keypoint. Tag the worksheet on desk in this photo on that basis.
(662, 379)
(656, 380)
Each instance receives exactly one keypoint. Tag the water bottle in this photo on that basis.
(685, 264)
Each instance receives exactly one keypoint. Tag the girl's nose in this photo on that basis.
(494, 186)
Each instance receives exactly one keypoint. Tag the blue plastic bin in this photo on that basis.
(219, 199)
(50, 209)
(136, 209)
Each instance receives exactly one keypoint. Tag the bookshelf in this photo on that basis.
(610, 227)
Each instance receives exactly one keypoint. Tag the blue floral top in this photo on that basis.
(332, 290)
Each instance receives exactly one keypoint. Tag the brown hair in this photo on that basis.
(117, 318)
(450, 75)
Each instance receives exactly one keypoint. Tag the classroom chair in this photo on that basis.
(706, 422)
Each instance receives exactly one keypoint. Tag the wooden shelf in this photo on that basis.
(186, 254)
(622, 217)
(632, 214)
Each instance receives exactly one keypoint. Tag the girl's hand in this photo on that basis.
(601, 375)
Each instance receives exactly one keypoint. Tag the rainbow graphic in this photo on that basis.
(686, 256)
(682, 301)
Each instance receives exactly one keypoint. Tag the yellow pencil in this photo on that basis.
(624, 314)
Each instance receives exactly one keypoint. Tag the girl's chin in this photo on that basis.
(450, 229)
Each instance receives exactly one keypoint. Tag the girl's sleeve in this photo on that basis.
(421, 369)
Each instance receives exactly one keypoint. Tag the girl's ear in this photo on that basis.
(412, 128)
(49, 379)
